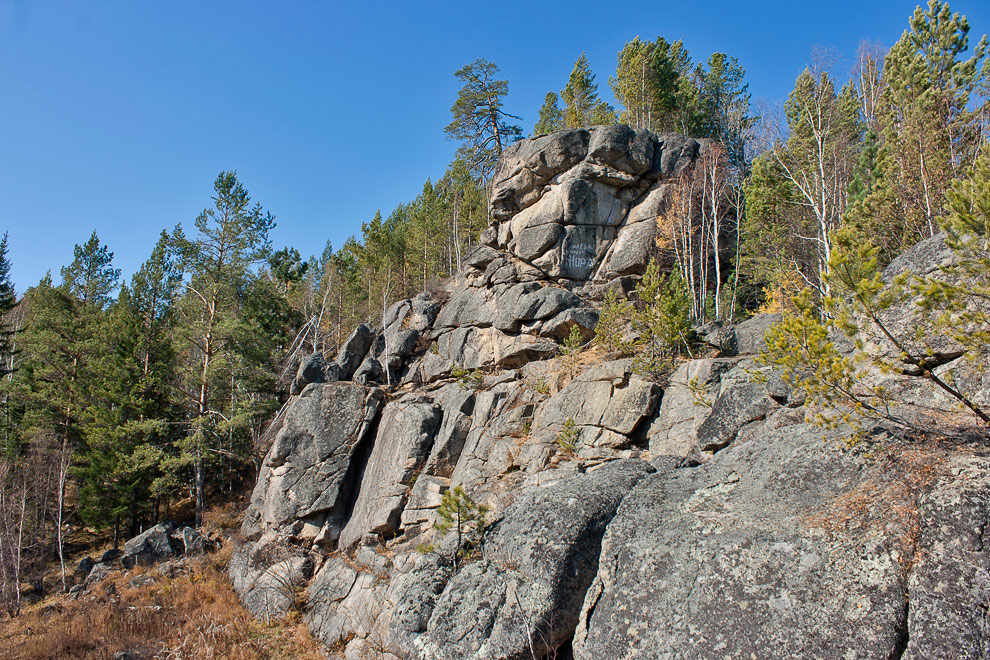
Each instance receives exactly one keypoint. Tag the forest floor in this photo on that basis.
(191, 614)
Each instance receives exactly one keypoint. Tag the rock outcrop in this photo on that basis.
(697, 517)
(582, 203)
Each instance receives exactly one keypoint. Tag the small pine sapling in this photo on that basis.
(570, 350)
(568, 437)
(610, 331)
(460, 514)
(662, 322)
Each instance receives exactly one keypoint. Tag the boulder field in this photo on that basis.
(696, 518)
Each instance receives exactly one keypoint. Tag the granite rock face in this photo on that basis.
(696, 516)
(405, 437)
(268, 576)
(725, 560)
(581, 203)
(302, 485)
(537, 564)
(950, 584)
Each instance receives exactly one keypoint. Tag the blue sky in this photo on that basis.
(117, 116)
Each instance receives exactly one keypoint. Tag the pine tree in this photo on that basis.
(661, 321)
(232, 237)
(551, 118)
(8, 349)
(55, 384)
(126, 426)
(287, 267)
(8, 301)
(129, 425)
(478, 119)
(582, 107)
(724, 104)
(648, 81)
(460, 514)
(91, 276)
(930, 128)
(610, 331)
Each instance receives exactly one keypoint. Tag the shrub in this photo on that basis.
(662, 322)
(570, 349)
(568, 436)
(469, 378)
(611, 329)
(460, 514)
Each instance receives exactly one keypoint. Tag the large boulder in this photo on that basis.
(738, 404)
(575, 204)
(736, 559)
(525, 595)
(609, 405)
(158, 543)
(314, 369)
(353, 350)
(687, 402)
(302, 487)
(343, 603)
(270, 577)
(153, 545)
(85, 565)
(949, 585)
(748, 335)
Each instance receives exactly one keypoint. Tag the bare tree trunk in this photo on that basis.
(385, 293)
(63, 469)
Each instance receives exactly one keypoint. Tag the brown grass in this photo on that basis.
(887, 503)
(194, 616)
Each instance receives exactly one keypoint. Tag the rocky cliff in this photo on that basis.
(698, 518)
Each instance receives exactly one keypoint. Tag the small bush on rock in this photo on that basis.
(568, 436)
(662, 322)
(460, 514)
(610, 331)
(570, 350)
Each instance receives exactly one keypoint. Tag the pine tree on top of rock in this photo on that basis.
(582, 107)
(478, 119)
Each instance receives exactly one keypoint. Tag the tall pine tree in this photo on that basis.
(550, 118)
(478, 119)
(231, 238)
(582, 107)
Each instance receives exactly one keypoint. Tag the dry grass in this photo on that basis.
(887, 503)
(193, 616)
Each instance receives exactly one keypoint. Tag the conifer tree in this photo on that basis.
(91, 276)
(287, 267)
(231, 238)
(124, 429)
(661, 321)
(8, 301)
(8, 348)
(582, 107)
(129, 424)
(551, 118)
(724, 104)
(478, 119)
(930, 128)
(650, 81)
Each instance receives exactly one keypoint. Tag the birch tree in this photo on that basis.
(818, 155)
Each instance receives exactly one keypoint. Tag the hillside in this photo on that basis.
(695, 516)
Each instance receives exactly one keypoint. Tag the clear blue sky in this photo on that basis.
(117, 116)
